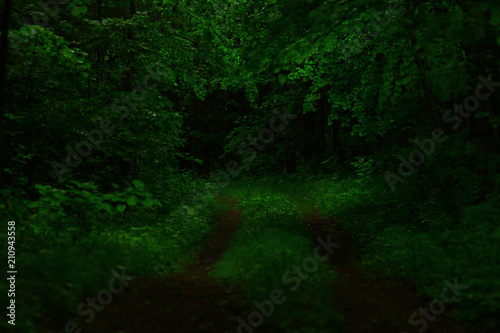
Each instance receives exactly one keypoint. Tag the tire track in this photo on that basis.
(187, 301)
(373, 305)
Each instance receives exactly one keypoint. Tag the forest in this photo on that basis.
(302, 166)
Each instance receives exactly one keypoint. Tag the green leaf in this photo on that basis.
(138, 183)
(108, 208)
(131, 201)
(79, 10)
(121, 208)
(282, 78)
(148, 202)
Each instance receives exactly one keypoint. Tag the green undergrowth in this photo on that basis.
(420, 243)
(59, 270)
(269, 243)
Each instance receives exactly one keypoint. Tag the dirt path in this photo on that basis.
(187, 301)
(374, 306)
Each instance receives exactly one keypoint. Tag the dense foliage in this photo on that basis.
(120, 121)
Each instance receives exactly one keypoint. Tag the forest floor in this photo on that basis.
(190, 301)
(372, 305)
(187, 301)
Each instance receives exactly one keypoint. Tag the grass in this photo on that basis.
(57, 274)
(270, 242)
(421, 244)
(396, 236)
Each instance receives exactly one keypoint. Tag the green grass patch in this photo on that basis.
(56, 274)
(404, 238)
(270, 242)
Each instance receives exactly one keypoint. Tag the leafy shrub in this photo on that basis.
(82, 207)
